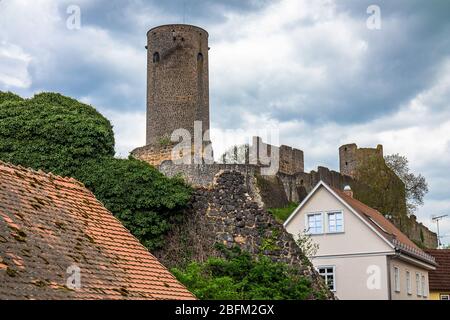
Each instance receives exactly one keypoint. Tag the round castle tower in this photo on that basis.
(177, 80)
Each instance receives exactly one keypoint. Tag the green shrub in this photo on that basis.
(238, 276)
(9, 97)
(141, 197)
(53, 133)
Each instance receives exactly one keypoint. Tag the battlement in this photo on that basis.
(290, 160)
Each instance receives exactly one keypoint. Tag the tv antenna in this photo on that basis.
(437, 219)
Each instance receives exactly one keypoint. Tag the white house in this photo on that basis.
(361, 254)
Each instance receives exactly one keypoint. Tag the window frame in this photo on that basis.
(334, 289)
(422, 285)
(408, 283)
(397, 284)
(418, 289)
(307, 228)
(328, 213)
(447, 296)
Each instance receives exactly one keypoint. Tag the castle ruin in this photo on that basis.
(178, 96)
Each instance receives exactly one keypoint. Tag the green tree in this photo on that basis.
(416, 186)
(59, 134)
(239, 276)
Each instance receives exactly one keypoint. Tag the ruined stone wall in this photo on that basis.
(153, 154)
(291, 160)
(226, 213)
(277, 191)
(351, 157)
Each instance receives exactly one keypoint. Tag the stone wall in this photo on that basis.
(226, 213)
(153, 154)
(290, 160)
(351, 157)
(277, 191)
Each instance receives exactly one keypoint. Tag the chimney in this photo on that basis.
(348, 191)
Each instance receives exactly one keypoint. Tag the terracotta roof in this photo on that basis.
(385, 227)
(440, 278)
(49, 223)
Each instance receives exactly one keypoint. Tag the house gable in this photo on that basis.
(359, 237)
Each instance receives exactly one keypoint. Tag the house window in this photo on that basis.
(397, 279)
(408, 283)
(328, 274)
(418, 290)
(315, 223)
(445, 297)
(335, 222)
(422, 285)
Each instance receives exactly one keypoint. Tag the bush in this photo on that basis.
(238, 276)
(9, 97)
(144, 199)
(52, 132)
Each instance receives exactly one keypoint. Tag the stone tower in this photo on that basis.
(177, 89)
(350, 157)
(177, 80)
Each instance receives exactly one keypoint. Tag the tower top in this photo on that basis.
(179, 26)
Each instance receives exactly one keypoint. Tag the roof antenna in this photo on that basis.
(436, 219)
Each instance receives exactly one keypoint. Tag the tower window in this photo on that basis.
(156, 57)
(200, 57)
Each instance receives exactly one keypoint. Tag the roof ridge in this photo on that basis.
(41, 174)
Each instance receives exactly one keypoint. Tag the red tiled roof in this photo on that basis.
(384, 226)
(49, 223)
(440, 278)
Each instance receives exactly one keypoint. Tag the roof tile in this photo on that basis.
(49, 223)
(440, 278)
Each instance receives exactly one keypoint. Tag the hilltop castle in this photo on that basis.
(178, 96)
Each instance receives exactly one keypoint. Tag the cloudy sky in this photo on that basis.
(312, 69)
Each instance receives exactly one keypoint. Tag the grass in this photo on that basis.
(281, 214)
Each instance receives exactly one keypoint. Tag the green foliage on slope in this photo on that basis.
(281, 214)
(238, 276)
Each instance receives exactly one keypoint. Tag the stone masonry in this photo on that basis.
(227, 214)
(177, 80)
(177, 89)
(350, 157)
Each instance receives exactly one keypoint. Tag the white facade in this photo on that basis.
(355, 257)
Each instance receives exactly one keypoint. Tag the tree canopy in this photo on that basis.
(416, 186)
